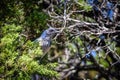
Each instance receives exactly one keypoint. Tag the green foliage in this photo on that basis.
(17, 59)
(118, 50)
(72, 47)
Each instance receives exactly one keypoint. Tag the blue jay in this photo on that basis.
(46, 37)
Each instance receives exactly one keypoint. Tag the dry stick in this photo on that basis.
(64, 17)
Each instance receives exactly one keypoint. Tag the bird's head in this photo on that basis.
(52, 30)
(50, 33)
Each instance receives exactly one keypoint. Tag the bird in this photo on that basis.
(46, 38)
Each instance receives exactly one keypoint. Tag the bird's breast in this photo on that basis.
(45, 45)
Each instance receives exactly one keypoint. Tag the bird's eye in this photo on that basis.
(51, 30)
